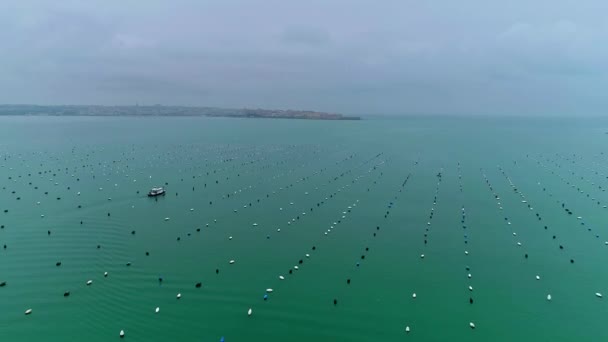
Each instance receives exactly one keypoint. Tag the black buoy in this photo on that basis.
(198, 285)
(471, 300)
(335, 302)
(58, 263)
(348, 281)
(526, 256)
(66, 294)
(217, 271)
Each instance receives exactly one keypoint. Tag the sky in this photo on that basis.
(384, 57)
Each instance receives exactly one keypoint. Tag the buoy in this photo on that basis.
(249, 312)
(89, 282)
(537, 277)
(599, 295)
(122, 334)
(407, 329)
(281, 277)
(548, 297)
(414, 295)
(157, 309)
(28, 311)
(231, 261)
(179, 295)
(269, 290)
(472, 325)
(105, 274)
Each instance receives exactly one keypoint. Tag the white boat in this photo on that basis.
(156, 192)
(599, 295)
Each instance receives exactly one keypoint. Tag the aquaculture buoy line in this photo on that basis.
(573, 186)
(292, 271)
(90, 282)
(569, 212)
(538, 216)
(537, 277)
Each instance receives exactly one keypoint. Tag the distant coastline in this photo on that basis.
(160, 110)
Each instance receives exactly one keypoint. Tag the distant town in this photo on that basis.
(160, 110)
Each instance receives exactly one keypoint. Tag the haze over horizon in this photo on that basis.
(350, 57)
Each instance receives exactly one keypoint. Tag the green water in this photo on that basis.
(307, 173)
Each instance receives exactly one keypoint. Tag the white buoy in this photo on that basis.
(470, 288)
(255, 224)
(231, 262)
(472, 325)
(548, 297)
(122, 333)
(307, 255)
(407, 329)
(469, 275)
(269, 290)
(249, 312)
(167, 219)
(230, 238)
(599, 295)
(466, 252)
(89, 282)
(422, 256)
(105, 274)
(537, 277)
(414, 295)
(157, 309)
(179, 295)
(28, 311)
(281, 277)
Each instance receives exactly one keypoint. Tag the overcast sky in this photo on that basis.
(519, 57)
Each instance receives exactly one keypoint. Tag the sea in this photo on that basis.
(389, 229)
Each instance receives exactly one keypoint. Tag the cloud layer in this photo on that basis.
(355, 57)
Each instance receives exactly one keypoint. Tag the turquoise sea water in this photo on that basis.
(73, 190)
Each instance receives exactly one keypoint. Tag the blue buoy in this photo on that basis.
(222, 339)
(357, 264)
(265, 297)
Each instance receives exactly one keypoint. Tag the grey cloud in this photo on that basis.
(392, 57)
